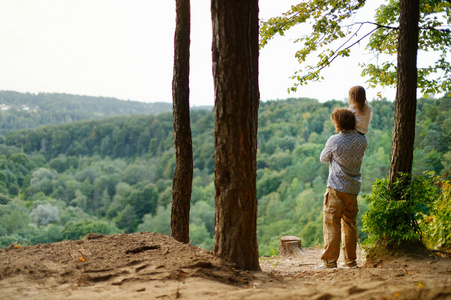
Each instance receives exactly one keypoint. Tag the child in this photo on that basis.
(359, 106)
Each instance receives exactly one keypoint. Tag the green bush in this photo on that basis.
(5, 241)
(395, 213)
(78, 230)
(436, 225)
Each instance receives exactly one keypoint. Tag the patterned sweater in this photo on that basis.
(344, 152)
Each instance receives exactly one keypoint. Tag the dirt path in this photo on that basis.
(154, 266)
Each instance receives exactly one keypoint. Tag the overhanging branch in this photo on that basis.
(331, 58)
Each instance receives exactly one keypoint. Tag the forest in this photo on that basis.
(113, 174)
(26, 110)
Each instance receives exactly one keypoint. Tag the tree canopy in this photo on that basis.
(333, 33)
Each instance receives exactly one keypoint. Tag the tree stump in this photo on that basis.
(290, 246)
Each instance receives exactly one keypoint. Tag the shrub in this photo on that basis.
(395, 213)
(436, 225)
(78, 230)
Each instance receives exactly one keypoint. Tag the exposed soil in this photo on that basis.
(154, 266)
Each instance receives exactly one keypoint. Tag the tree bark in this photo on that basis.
(235, 72)
(406, 92)
(183, 175)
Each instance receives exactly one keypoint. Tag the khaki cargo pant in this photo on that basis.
(340, 213)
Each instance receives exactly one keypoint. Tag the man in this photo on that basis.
(344, 151)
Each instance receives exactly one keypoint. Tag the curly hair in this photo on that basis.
(357, 97)
(343, 119)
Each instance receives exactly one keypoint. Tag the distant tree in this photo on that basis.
(144, 200)
(51, 233)
(42, 180)
(4, 199)
(80, 200)
(200, 236)
(235, 73)
(58, 164)
(183, 175)
(135, 173)
(127, 219)
(44, 214)
(160, 222)
(203, 214)
(14, 218)
(74, 230)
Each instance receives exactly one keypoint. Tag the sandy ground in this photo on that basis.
(154, 266)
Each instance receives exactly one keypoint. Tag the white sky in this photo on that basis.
(124, 49)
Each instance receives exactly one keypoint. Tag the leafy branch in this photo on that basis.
(337, 52)
(327, 18)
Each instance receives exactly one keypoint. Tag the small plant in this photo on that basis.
(396, 212)
(436, 225)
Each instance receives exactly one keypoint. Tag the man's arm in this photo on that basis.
(326, 154)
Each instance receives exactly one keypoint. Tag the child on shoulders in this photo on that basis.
(360, 108)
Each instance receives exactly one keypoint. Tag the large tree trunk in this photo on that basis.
(235, 72)
(183, 175)
(406, 92)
